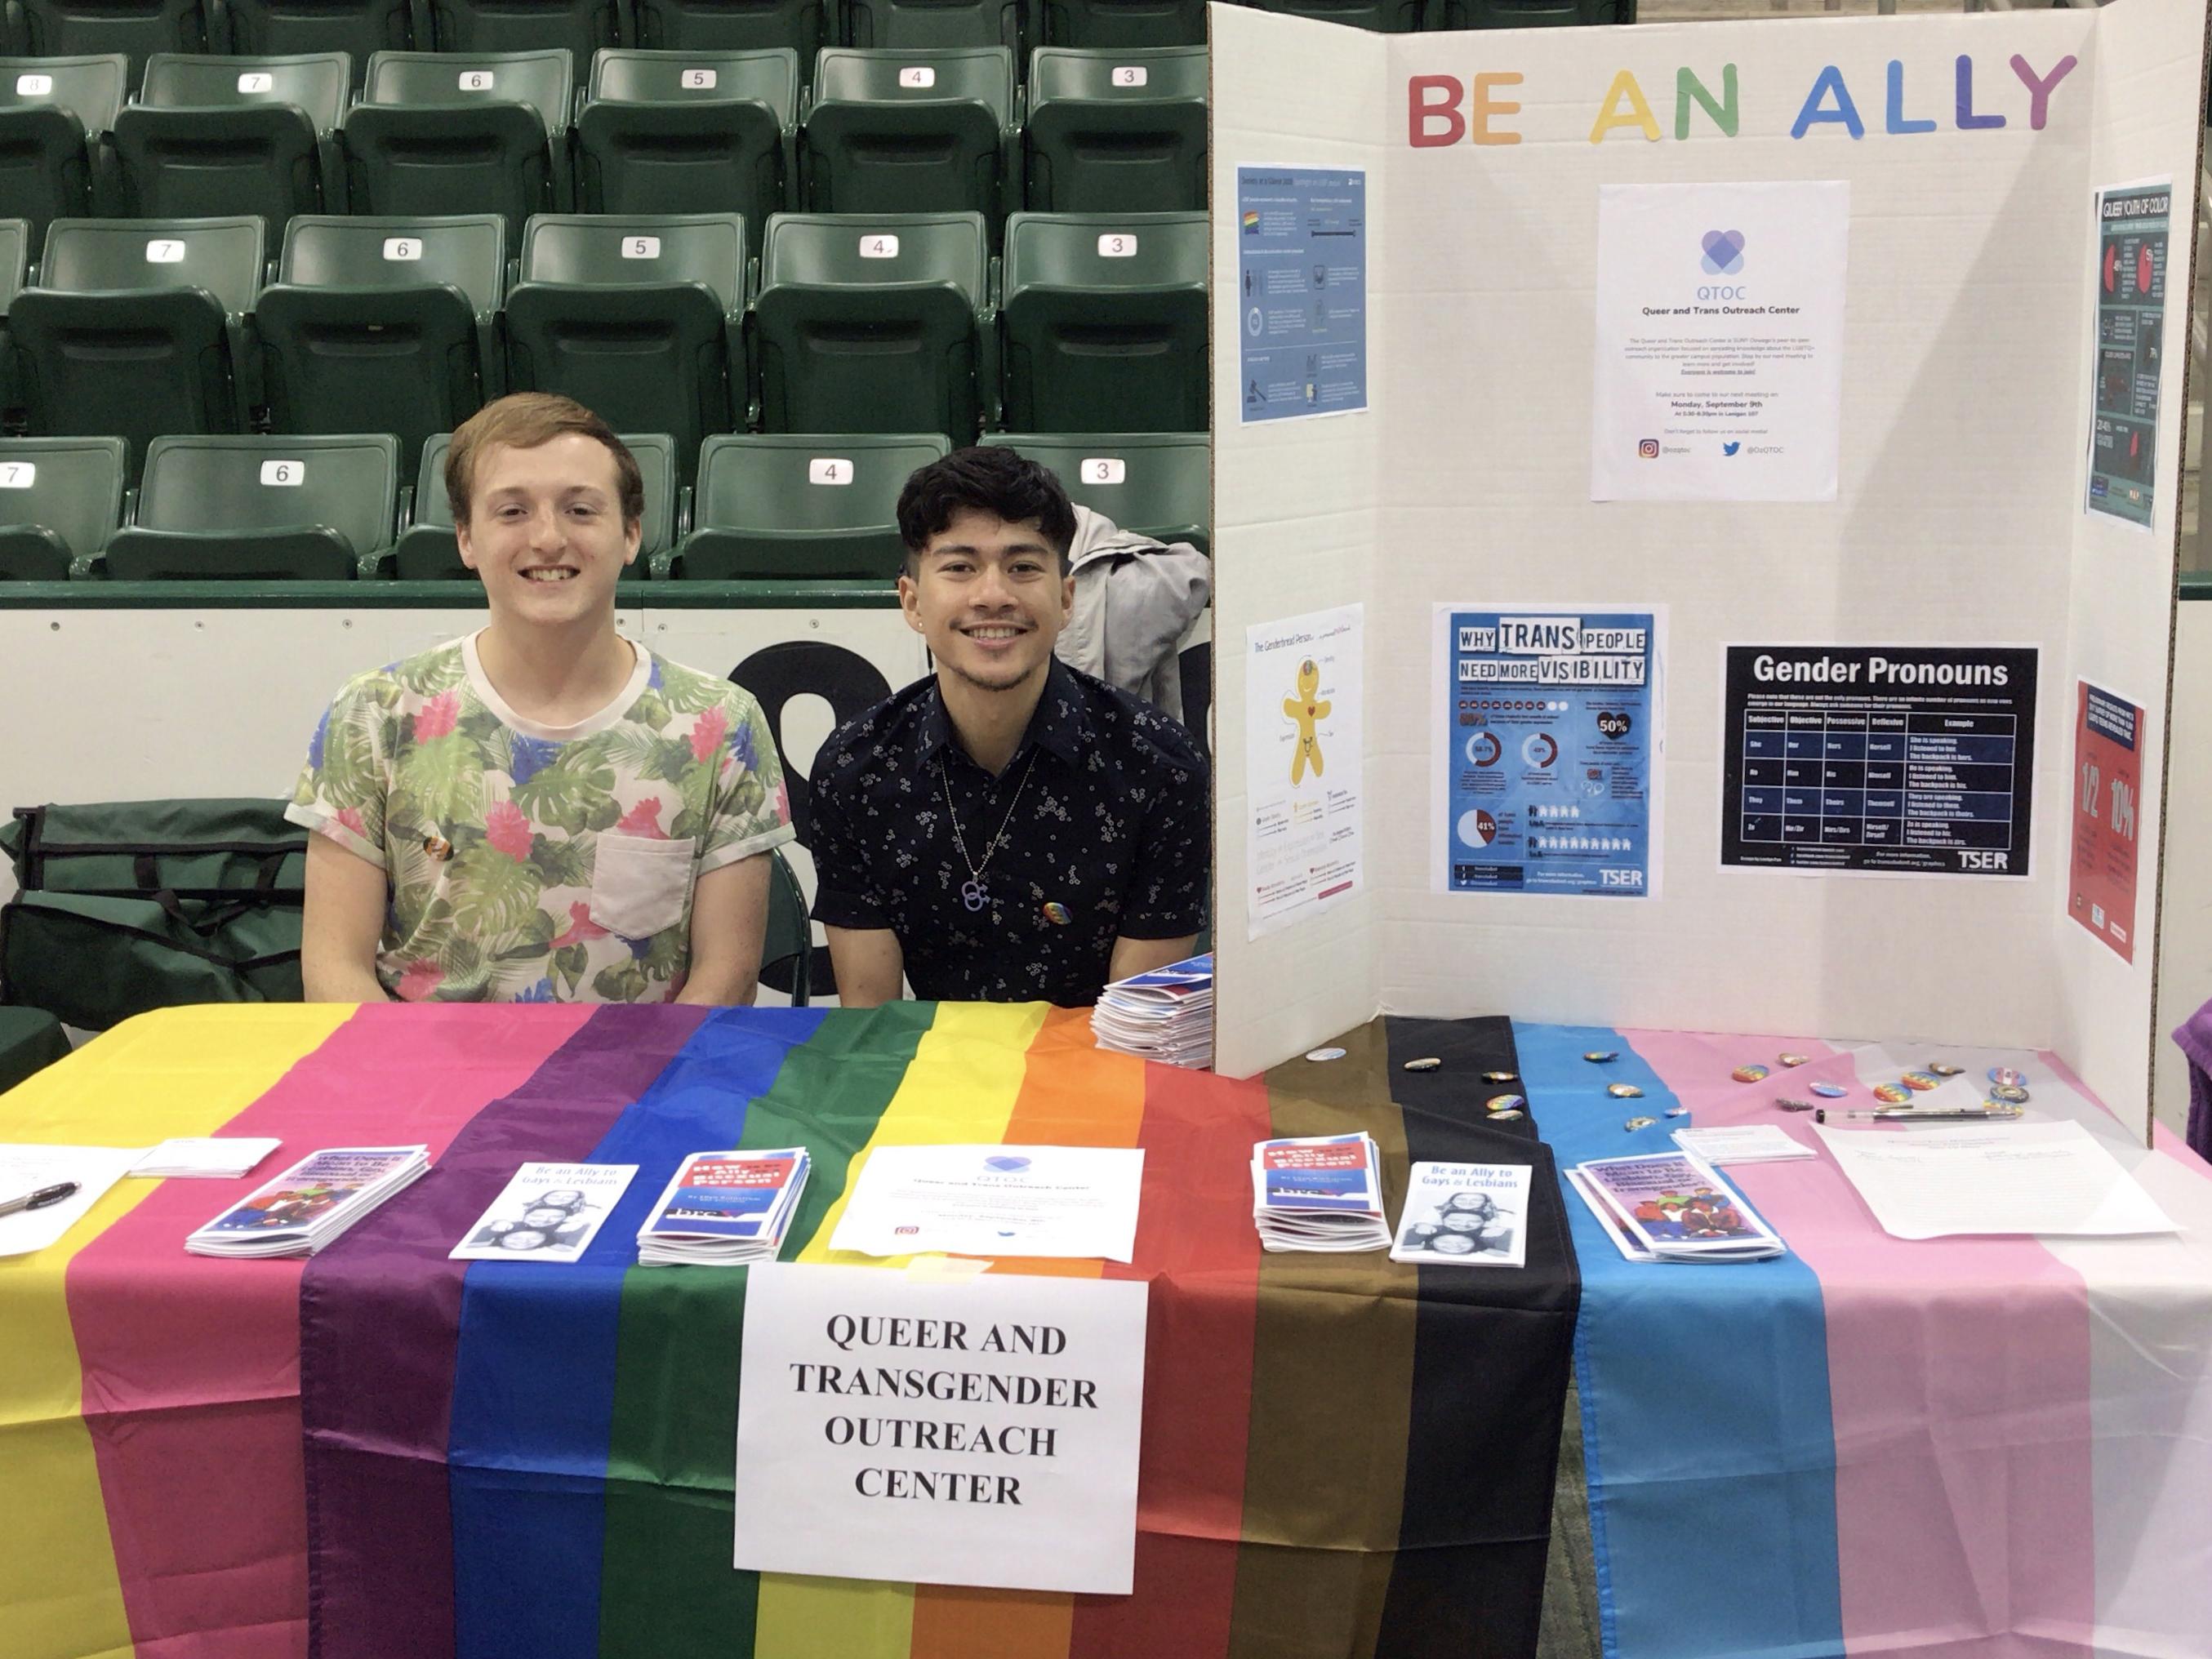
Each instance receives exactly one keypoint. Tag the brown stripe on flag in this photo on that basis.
(1332, 1386)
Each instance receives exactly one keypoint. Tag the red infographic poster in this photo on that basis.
(2100, 890)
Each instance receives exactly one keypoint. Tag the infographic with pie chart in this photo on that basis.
(1549, 736)
(2131, 229)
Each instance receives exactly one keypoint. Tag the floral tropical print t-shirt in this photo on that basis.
(530, 863)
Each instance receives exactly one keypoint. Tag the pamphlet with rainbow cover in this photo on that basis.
(1678, 1208)
(311, 1203)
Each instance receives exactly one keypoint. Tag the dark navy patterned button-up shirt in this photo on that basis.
(1107, 832)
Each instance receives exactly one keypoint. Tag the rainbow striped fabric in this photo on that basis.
(1341, 1455)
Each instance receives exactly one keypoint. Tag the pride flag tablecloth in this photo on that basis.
(386, 1455)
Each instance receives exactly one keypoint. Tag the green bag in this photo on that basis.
(129, 906)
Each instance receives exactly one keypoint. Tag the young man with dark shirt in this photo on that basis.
(1009, 830)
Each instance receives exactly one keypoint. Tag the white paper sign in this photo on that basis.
(1720, 326)
(995, 1201)
(1304, 820)
(925, 1430)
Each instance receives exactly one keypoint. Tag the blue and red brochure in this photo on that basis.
(729, 1206)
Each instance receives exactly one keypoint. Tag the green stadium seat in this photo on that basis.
(1382, 16)
(137, 28)
(1115, 131)
(899, 132)
(579, 28)
(1123, 22)
(383, 324)
(54, 114)
(427, 551)
(874, 324)
(451, 132)
(137, 326)
(60, 500)
(233, 134)
(1160, 484)
(801, 504)
(689, 132)
(637, 317)
(1104, 322)
(359, 28)
(15, 268)
(934, 25)
(804, 26)
(260, 508)
(1527, 14)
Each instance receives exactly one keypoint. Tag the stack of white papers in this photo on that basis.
(545, 1212)
(1324, 1192)
(1742, 1143)
(1166, 1014)
(1466, 1215)
(218, 1157)
(2044, 1178)
(312, 1203)
(725, 1207)
(1672, 1206)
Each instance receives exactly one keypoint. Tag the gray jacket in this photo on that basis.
(1136, 598)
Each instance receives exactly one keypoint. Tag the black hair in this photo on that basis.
(990, 478)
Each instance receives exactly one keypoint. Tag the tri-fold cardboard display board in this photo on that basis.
(1696, 510)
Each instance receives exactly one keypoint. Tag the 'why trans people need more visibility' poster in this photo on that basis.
(1549, 732)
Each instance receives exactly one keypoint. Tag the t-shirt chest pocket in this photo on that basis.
(640, 885)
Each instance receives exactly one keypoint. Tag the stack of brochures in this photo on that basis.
(725, 1208)
(1166, 1014)
(1320, 1194)
(1672, 1206)
(218, 1157)
(311, 1203)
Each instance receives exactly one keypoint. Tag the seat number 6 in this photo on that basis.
(284, 474)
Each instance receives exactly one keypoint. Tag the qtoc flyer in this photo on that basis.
(2100, 884)
(1720, 340)
(1549, 732)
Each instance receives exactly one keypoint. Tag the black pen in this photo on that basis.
(40, 1199)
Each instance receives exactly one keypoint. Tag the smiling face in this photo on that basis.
(544, 531)
(990, 597)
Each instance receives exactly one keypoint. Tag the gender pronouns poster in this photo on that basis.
(1879, 760)
(1720, 340)
(2131, 242)
(1305, 814)
(2101, 885)
(1549, 737)
(1302, 290)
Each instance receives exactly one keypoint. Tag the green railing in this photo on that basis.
(426, 595)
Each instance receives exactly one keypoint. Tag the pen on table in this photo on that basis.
(40, 1199)
(1911, 1113)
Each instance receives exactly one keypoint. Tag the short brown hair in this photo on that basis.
(524, 420)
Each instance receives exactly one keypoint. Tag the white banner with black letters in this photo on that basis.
(981, 1431)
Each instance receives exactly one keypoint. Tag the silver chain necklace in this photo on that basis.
(973, 893)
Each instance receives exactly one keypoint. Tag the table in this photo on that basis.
(383, 1453)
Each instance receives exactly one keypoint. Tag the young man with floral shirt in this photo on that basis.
(543, 810)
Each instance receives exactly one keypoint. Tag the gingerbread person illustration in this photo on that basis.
(1304, 710)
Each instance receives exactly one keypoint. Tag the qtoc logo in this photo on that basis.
(1723, 252)
(1648, 448)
